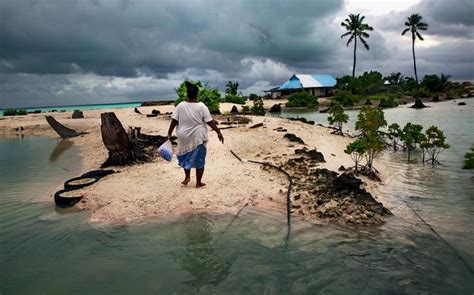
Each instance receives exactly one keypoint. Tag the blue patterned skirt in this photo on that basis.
(194, 159)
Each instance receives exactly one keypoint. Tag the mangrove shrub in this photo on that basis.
(410, 136)
(337, 117)
(433, 142)
(302, 99)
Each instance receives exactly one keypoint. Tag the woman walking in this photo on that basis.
(190, 117)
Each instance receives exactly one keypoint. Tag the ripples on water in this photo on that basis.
(45, 251)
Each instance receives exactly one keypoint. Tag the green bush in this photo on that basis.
(208, 95)
(345, 98)
(420, 93)
(257, 108)
(234, 99)
(253, 96)
(302, 99)
(245, 110)
(14, 112)
(469, 159)
(337, 117)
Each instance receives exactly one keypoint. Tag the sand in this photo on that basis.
(153, 190)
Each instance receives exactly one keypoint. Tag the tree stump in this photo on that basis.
(124, 149)
(418, 104)
(77, 114)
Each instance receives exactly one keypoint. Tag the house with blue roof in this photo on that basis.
(317, 85)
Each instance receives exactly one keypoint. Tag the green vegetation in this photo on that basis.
(208, 95)
(394, 134)
(232, 88)
(257, 108)
(469, 159)
(433, 142)
(14, 112)
(356, 150)
(337, 117)
(253, 96)
(414, 25)
(410, 136)
(234, 99)
(357, 30)
(302, 99)
(245, 110)
(369, 122)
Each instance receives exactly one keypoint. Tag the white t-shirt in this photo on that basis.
(191, 129)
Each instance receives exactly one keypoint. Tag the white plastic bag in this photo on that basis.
(166, 150)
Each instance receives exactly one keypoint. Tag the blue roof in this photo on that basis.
(293, 83)
(309, 81)
(325, 80)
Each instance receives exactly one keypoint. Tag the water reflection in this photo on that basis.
(59, 149)
(198, 256)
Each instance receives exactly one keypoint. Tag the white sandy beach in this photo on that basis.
(153, 190)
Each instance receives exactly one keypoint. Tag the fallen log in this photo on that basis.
(62, 130)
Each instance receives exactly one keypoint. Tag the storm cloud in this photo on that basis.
(93, 51)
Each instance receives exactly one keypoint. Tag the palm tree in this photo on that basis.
(232, 87)
(356, 29)
(414, 24)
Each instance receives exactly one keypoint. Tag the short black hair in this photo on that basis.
(192, 90)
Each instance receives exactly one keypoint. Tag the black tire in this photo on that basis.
(98, 173)
(65, 202)
(68, 186)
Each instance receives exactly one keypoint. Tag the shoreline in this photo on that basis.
(150, 191)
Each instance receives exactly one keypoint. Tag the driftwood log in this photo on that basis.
(124, 149)
(62, 130)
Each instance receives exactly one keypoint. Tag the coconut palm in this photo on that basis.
(356, 29)
(232, 87)
(414, 24)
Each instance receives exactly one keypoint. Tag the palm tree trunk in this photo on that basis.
(414, 59)
(354, 66)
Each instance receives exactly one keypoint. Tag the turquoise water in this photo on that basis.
(50, 251)
(82, 107)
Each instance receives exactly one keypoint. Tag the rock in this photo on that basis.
(342, 168)
(330, 206)
(77, 114)
(347, 181)
(276, 108)
(234, 110)
(156, 112)
(302, 120)
(293, 138)
(312, 154)
(368, 102)
(280, 129)
(323, 111)
(435, 98)
(418, 104)
(462, 103)
(363, 216)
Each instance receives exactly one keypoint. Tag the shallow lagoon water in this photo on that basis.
(43, 250)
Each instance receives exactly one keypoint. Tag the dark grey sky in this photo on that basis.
(92, 51)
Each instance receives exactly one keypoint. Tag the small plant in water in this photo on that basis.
(356, 150)
(433, 142)
(469, 159)
(411, 135)
(337, 117)
(394, 134)
(369, 122)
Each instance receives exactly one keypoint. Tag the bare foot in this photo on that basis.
(202, 184)
(186, 181)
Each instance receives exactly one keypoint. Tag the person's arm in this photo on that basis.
(216, 129)
(172, 126)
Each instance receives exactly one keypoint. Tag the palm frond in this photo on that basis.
(345, 34)
(419, 36)
(405, 31)
(365, 43)
(350, 40)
